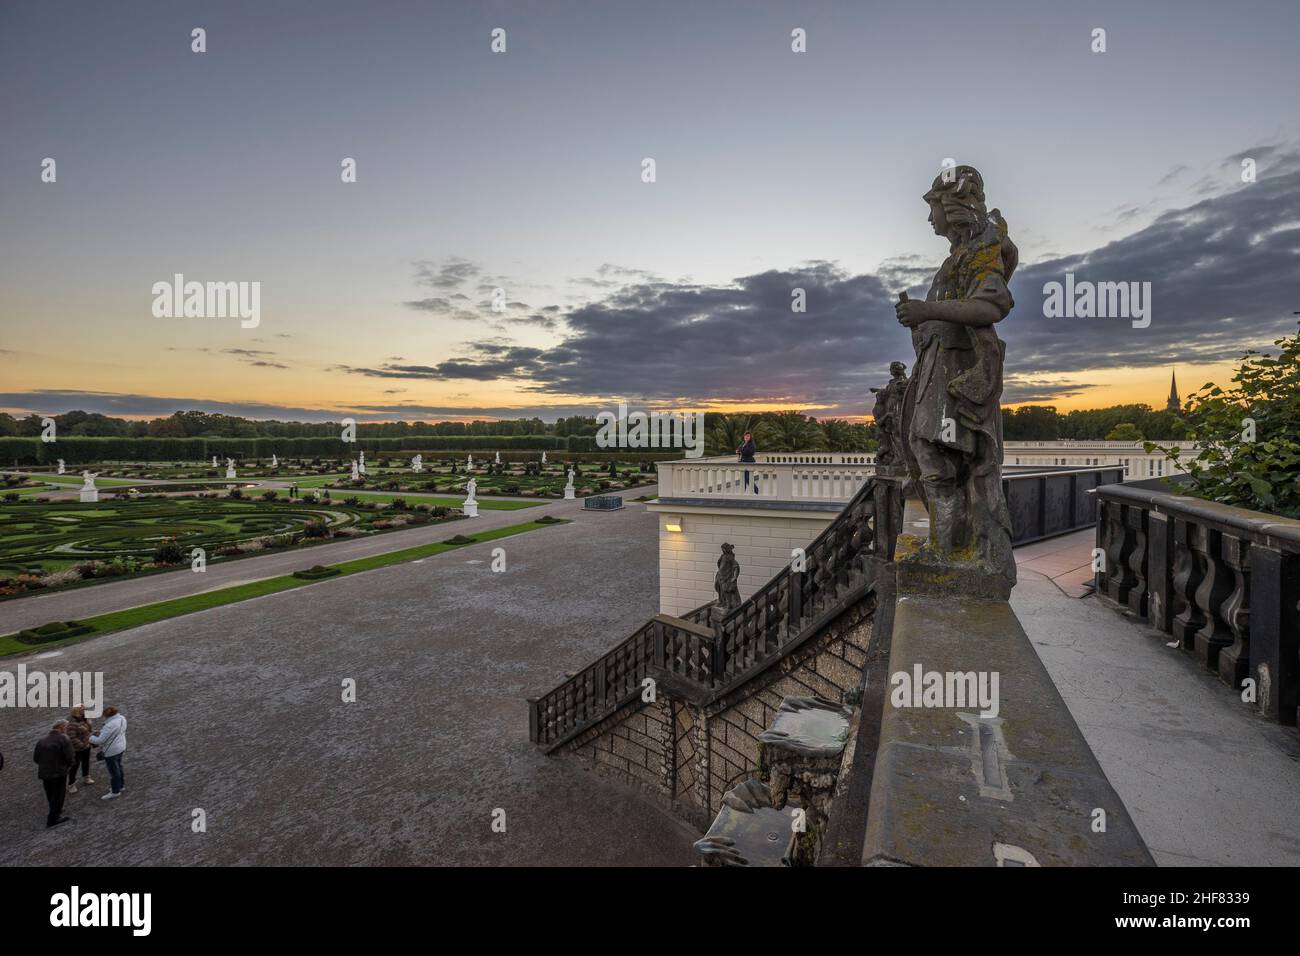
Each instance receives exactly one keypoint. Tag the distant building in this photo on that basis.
(1173, 404)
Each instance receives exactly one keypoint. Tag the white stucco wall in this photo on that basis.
(688, 560)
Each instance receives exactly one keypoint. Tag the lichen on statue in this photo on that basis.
(952, 418)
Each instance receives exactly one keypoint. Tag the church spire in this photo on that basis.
(1173, 404)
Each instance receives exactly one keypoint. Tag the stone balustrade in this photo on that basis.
(1223, 582)
(779, 476)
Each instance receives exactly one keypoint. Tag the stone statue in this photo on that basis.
(725, 581)
(888, 414)
(470, 507)
(230, 468)
(543, 458)
(417, 463)
(568, 486)
(356, 472)
(498, 454)
(61, 469)
(88, 493)
(952, 418)
(469, 462)
(470, 488)
(361, 463)
(275, 462)
(214, 461)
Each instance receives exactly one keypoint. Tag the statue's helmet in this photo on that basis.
(961, 191)
(897, 368)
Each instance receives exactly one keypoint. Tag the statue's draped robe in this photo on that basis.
(958, 376)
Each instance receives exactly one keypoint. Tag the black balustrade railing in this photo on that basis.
(691, 648)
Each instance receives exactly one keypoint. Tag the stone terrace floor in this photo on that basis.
(1206, 781)
(237, 711)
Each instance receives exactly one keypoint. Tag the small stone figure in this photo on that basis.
(417, 464)
(60, 466)
(725, 582)
(356, 471)
(498, 454)
(361, 463)
(568, 487)
(470, 507)
(888, 414)
(214, 461)
(230, 468)
(543, 458)
(469, 462)
(275, 462)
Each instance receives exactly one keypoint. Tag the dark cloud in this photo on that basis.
(1223, 278)
(447, 274)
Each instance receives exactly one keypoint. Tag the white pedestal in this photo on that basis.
(230, 473)
(568, 493)
(470, 507)
(89, 495)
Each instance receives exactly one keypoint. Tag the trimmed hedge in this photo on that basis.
(79, 449)
(317, 572)
(54, 631)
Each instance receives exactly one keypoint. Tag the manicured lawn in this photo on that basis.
(149, 613)
(386, 497)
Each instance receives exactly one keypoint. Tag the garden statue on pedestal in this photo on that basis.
(89, 493)
(470, 507)
(356, 471)
(60, 466)
(469, 462)
(417, 464)
(726, 584)
(230, 468)
(888, 414)
(275, 462)
(214, 461)
(568, 487)
(952, 419)
(543, 458)
(498, 458)
(361, 463)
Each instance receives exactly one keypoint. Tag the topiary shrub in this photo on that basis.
(168, 552)
(460, 539)
(54, 631)
(316, 528)
(316, 572)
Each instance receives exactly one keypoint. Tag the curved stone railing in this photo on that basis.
(708, 659)
(1222, 581)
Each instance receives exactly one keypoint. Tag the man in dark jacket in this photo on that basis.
(54, 759)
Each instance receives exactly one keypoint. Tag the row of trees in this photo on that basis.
(1116, 423)
(776, 431)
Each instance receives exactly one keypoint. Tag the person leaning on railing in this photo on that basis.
(746, 451)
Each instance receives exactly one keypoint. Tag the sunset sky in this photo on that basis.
(522, 170)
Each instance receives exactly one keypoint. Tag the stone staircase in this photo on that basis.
(680, 707)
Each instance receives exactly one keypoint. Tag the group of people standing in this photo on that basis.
(64, 754)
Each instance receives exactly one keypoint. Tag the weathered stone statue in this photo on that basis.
(888, 414)
(951, 415)
(725, 582)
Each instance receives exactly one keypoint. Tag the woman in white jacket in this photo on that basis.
(111, 740)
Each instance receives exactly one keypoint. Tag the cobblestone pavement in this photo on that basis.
(238, 711)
